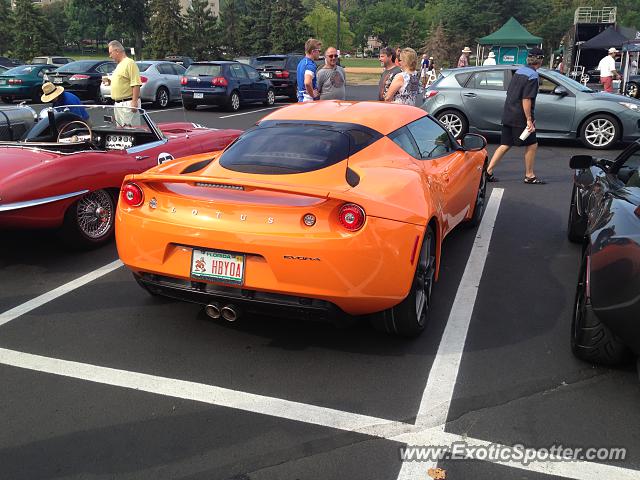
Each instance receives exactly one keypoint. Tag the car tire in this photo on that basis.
(600, 131)
(189, 105)
(233, 104)
(89, 222)
(162, 98)
(454, 121)
(271, 98)
(6, 99)
(481, 200)
(577, 224)
(591, 340)
(632, 90)
(409, 317)
(293, 95)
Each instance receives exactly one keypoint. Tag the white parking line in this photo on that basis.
(436, 399)
(34, 303)
(249, 113)
(300, 412)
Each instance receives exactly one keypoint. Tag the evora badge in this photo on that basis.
(295, 257)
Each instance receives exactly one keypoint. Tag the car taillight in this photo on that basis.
(15, 81)
(281, 74)
(132, 195)
(143, 79)
(79, 77)
(352, 217)
(219, 82)
(183, 80)
(637, 211)
(431, 93)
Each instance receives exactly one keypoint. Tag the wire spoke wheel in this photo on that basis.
(95, 214)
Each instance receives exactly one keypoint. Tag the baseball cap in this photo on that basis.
(535, 52)
(613, 50)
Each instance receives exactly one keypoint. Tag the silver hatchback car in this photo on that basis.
(160, 82)
(472, 99)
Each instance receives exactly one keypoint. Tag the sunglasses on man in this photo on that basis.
(332, 56)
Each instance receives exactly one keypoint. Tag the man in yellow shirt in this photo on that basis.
(125, 86)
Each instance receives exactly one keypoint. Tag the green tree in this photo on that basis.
(165, 28)
(387, 20)
(322, 23)
(33, 36)
(288, 30)
(256, 22)
(231, 28)
(55, 13)
(127, 19)
(6, 33)
(86, 21)
(201, 30)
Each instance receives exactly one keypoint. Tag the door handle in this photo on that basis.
(470, 95)
(141, 157)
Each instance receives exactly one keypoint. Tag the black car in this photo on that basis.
(224, 83)
(605, 217)
(281, 70)
(9, 62)
(83, 78)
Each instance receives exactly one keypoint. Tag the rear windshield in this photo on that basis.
(39, 61)
(21, 70)
(143, 66)
(286, 149)
(269, 62)
(79, 66)
(203, 70)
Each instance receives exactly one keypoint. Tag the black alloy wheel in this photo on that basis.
(162, 98)
(481, 200)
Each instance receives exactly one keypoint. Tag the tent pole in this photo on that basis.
(625, 77)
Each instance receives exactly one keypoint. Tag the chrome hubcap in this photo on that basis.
(453, 123)
(235, 102)
(164, 98)
(632, 90)
(271, 98)
(600, 132)
(95, 214)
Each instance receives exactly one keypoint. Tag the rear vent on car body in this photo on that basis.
(219, 185)
(194, 167)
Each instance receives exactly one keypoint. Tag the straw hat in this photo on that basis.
(492, 55)
(51, 92)
(466, 50)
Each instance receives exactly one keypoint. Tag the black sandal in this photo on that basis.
(491, 177)
(534, 181)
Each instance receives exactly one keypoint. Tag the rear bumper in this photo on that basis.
(16, 92)
(358, 273)
(208, 97)
(630, 125)
(248, 300)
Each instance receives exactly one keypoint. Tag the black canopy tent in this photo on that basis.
(611, 37)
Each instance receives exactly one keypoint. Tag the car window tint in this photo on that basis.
(165, 69)
(432, 139)
(143, 66)
(251, 72)
(462, 78)
(286, 149)
(269, 62)
(204, 70)
(104, 68)
(178, 69)
(237, 71)
(489, 80)
(546, 85)
(79, 66)
(405, 141)
(39, 61)
(629, 172)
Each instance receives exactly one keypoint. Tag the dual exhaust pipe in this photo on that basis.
(229, 312)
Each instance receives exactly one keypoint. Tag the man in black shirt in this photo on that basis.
(518, 119)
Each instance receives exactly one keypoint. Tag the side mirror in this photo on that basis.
(473, 142)
(581, 162)
(561, 91)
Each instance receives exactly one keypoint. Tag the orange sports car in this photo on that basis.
(330, 209)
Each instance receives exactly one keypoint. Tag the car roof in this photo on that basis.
(382, 117)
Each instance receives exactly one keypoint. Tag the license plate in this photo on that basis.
(3, 82)
(57, 80)
(217, 266)
(198, 95)
(266, 74)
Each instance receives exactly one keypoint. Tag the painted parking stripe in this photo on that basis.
(249, 113)
(310, 414)
(436, 399)
(34, 303)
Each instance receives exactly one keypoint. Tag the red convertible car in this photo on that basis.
(67, 170)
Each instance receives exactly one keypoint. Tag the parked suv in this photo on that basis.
(281, 70)
(57, 61)
(224, 83)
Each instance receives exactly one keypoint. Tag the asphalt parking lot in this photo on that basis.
(102, 381)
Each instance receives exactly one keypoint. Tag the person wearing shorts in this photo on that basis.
(518, 118)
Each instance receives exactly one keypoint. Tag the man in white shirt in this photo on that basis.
(607, 67)
(490, 60)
